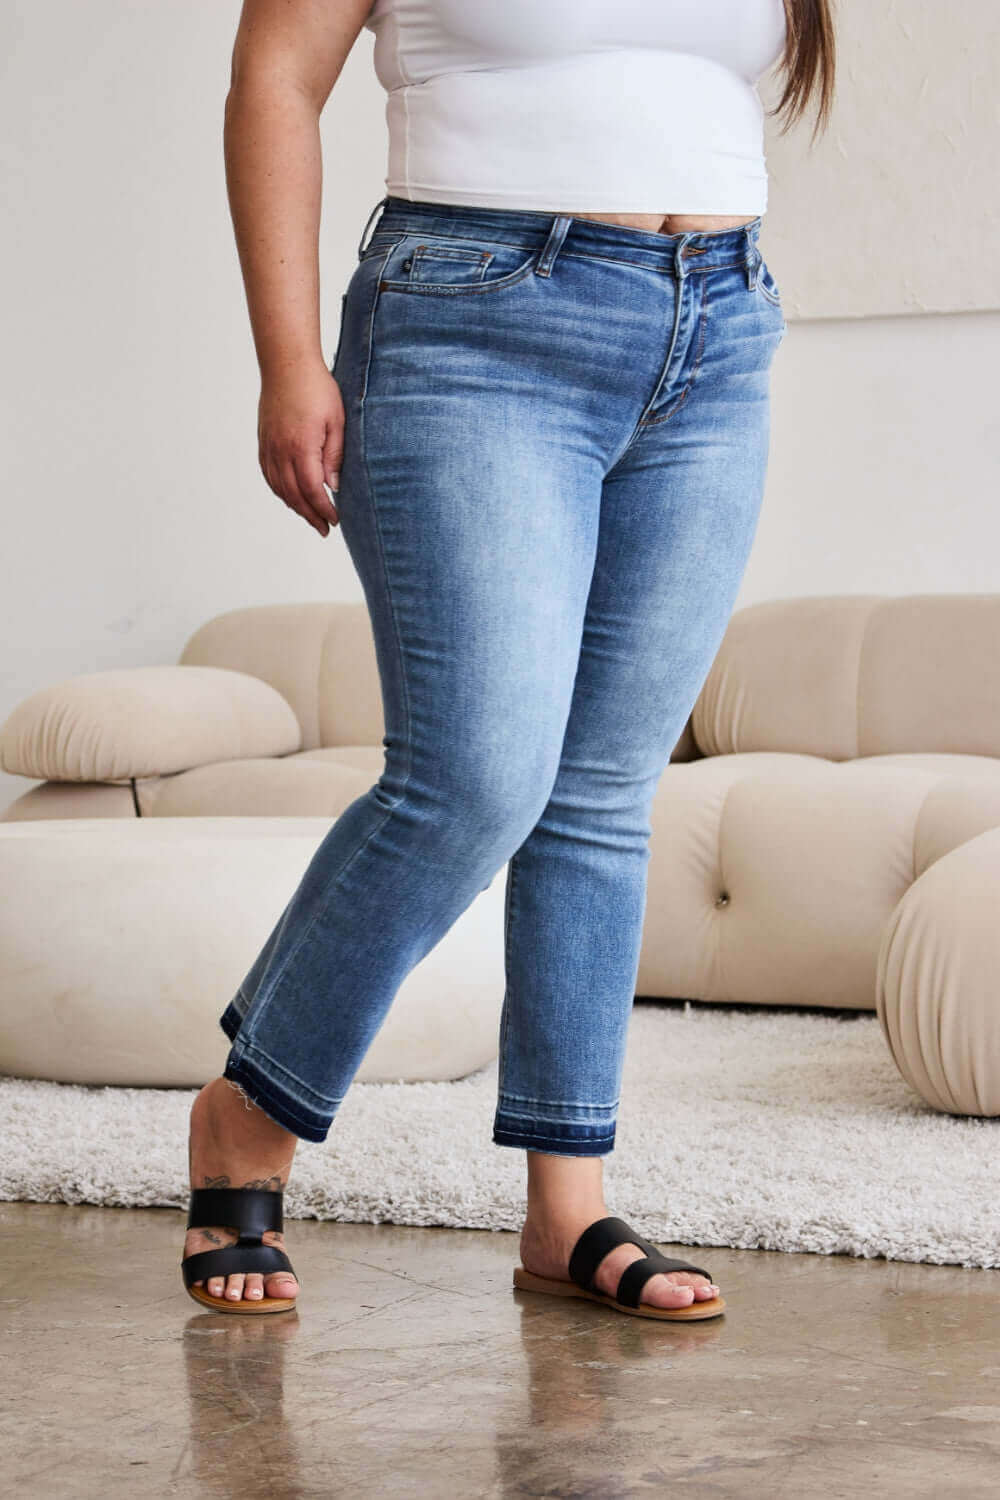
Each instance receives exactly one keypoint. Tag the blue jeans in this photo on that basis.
(555, 450)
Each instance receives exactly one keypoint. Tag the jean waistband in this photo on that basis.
(686, 251)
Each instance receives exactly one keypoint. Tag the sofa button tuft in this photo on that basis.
(722, 899)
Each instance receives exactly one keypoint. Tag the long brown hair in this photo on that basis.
(808, 62)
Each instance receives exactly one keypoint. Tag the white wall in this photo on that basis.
(133, 508)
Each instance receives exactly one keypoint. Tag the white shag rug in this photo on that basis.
(773, 1130)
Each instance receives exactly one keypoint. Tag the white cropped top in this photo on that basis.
(622, 106)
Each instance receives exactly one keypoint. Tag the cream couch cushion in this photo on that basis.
(312, 782)
(936, 981)
(856, 675)
(319, 657)
(772, 876)
(145, 721)
(72, 799)
(122, 942)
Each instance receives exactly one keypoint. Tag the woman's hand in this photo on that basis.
(300, 439)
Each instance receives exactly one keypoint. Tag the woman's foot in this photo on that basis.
(565, 1196)
(233, 1143)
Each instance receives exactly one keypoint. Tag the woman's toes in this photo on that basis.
(662, 1292)
(670, 1293)
(215, 1286)
(234, 1286)
(254, 1287)
(282, 1285)
(703, 1289)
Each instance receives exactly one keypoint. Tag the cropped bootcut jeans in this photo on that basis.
(556, 441)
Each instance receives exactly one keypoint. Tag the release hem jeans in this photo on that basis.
(555, 446)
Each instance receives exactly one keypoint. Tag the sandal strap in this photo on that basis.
(233, 1260)
(635, 1276)
(253, 1211)
(607, 1234)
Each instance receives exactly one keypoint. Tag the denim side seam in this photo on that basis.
(508, 963)
(238, 1044)
(363, 448)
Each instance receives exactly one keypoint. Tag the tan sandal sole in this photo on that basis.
(244, 1305)
(527, 1281)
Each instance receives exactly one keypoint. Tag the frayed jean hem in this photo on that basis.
(555, 1139)
(262, 1091)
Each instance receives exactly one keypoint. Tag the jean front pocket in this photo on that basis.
(454, 266)
(447, 265)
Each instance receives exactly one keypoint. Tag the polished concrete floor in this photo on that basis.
(412, 1368)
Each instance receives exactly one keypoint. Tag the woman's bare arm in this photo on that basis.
(287, 56)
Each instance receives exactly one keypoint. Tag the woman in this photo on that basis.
(547, 434)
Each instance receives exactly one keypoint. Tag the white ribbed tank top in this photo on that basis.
(623, 106)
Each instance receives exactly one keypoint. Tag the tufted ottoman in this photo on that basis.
(938, 985)
(122, 941)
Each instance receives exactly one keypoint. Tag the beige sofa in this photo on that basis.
(840, 747)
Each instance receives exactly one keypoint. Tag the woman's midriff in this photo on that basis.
(672, 223)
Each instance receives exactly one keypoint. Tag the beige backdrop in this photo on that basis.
(895, 209)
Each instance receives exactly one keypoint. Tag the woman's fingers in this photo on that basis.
(333, 449)
(300, 440)
(281, 476)
(309, 474)
(289, 490)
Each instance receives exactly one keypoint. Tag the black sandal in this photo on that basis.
(252, 1211)
(588, 1252)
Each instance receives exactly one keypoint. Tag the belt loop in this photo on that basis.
(752, 254)
(361, 243)
(680, 269)
(553, 244)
